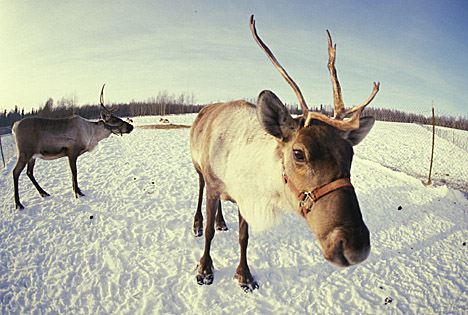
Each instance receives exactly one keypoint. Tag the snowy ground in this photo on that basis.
(137, 253)
(407, 148)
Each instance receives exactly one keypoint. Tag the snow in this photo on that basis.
(137, 254)
(407, 148)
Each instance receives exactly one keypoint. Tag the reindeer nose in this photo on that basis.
(355, 256)
(348, 248)
(129, 128)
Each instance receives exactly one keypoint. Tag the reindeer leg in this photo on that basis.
(198, 219)
(220, 223)
(243, 275)
(20, 164)
(72, 160)
(205, 267)
(30, 173)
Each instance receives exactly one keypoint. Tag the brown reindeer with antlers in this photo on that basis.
(267, 162)
(50, 139)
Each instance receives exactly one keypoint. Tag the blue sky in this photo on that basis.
(416, 49)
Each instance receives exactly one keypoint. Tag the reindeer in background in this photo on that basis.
(50, 139)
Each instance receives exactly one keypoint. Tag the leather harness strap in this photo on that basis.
(111, 128)
(308, 198)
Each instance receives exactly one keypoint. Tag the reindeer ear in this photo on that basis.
(274, 116)
(356, 136)
(104, 109)
(105, 113)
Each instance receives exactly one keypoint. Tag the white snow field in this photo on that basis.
(127, 247)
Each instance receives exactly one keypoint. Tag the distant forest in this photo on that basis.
(163, 104)
(168, 104)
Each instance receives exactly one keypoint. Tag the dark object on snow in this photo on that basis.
(134, 178)
(91, 217)
(400, 207)
(464, 243)
(152, 183)
(381, 287)
(388, 300)
(164, 126)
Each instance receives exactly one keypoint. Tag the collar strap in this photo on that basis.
(112, 128)
(308, 198)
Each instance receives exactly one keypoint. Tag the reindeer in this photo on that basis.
(267, 162)
(50, 139)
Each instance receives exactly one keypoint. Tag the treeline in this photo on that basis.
(383, 114)
(163, 104)
(393, 115)
(167, 104)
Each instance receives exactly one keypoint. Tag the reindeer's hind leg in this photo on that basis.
(20, 164)
(30, 173)
(220, 223)
(198, 219)
(205, 267)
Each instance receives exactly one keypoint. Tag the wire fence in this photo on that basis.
(7, 149)
(406, 147)
(450, 152)
(455, 136)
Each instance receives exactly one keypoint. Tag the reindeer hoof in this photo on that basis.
(79, 194)
(197, 232)
(246, 282)
(19, 206)
(221, 227)
(44, 194)
(249, 287)
(205, 279)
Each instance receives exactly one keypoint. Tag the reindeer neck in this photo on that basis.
(100, 131)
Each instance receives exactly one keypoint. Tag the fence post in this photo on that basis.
(1, 150)
(429, 182)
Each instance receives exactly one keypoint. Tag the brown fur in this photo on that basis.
(238, 159)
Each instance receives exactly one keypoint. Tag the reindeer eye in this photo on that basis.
(298, 155)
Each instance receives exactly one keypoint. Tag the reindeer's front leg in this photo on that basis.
(20, 164)
(205, 267)
(72, 157)
(198, 219)
(243, 275)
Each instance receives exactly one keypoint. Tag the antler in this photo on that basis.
(101, 99)
(339, 119)
(277, 65)
(339, 113)
(338, 103)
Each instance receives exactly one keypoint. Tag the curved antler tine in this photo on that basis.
(278, 66)
(351, 123)
(338, 104)
(344, 125)
(101, 98)
(361, 106)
